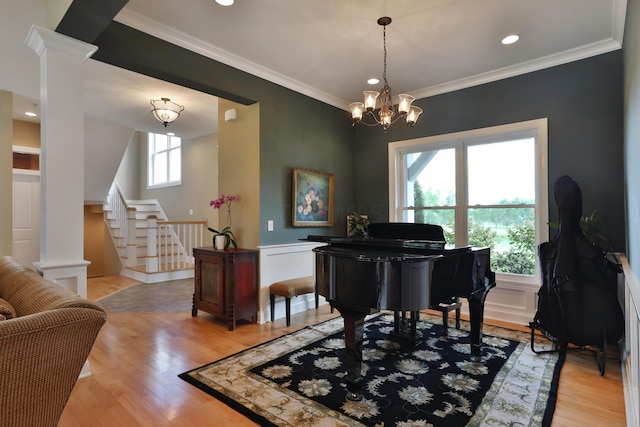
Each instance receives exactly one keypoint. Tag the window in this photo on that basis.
(165, 160)
(486, 187)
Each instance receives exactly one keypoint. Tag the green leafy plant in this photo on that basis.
(229, 240)
(590, 224)
(224, 200)
(358, 225)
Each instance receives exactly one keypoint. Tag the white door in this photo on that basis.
(26, 216)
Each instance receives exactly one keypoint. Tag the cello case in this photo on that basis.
(577, 302)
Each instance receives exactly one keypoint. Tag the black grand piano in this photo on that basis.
(402, 267)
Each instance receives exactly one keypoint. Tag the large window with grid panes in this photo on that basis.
(485, 187)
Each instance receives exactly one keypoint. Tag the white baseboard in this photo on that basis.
(157, 277)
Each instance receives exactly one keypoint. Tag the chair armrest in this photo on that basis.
(41, 356)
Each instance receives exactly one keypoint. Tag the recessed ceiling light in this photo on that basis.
(510, 39)
(225, 2)
(30, 114)
(171, 134)
(373, 81)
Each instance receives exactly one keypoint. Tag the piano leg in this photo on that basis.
(405, 328)
(353, 336)
(476, 318)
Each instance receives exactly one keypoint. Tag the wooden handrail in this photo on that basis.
(182, 222)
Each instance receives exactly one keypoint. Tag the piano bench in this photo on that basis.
(288, 289)
(445, 308)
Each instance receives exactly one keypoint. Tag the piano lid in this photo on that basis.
(372, 255)
(390, 243)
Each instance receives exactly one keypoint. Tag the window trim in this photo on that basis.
(537, 128)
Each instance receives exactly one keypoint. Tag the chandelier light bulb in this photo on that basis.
(405, 102)
(356, 110)
(370, 98)
(413, 114)
(385, 120)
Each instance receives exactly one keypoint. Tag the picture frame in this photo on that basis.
(312, 198)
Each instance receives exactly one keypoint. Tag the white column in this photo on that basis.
(62, 156)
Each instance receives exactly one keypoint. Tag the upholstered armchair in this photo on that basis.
(46, 334)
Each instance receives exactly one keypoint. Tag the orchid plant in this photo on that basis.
(225, 200)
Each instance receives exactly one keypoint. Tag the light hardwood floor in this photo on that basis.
(137, 357)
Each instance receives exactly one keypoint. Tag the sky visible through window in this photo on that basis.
(497, 171)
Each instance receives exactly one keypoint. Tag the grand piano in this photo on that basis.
(402, 267)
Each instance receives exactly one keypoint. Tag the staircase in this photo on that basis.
(152, 248)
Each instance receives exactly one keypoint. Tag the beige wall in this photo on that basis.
(239, 170)
(55, 11)
(6, 172)
(12, 132)
(26, 134)
(94, 238)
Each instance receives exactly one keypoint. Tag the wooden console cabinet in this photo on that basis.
(226, 284)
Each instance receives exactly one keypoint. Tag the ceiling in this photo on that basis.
(325, 49)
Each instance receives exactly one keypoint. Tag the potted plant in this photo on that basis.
(224, 238)
(226, 234)
(357, 225)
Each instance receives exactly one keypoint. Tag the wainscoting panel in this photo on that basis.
(508, 301)
(631, 344)
(512, 302)
(283, 262)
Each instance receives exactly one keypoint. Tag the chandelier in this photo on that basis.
(389, 113)
(165, 110)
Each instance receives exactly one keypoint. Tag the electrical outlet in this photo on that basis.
(191, 212)
(270, 225)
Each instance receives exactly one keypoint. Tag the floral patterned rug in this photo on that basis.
(300, 379)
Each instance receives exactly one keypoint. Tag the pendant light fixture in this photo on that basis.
(389, 113)
(165, 111)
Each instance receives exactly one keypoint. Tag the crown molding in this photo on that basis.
(40, 39)
(163, 32)
(618, 16)
(518, 69)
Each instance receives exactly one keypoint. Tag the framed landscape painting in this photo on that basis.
(312, 198)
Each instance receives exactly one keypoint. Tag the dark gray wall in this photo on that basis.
(307, 134)
(583, 103)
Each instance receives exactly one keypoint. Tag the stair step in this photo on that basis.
(167, 248)
(163, 269)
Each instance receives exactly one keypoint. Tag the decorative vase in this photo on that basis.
(219, 241)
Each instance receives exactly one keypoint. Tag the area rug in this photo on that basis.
(169, 296)
(300, 379)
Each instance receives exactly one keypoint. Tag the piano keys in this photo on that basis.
(406, 270)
